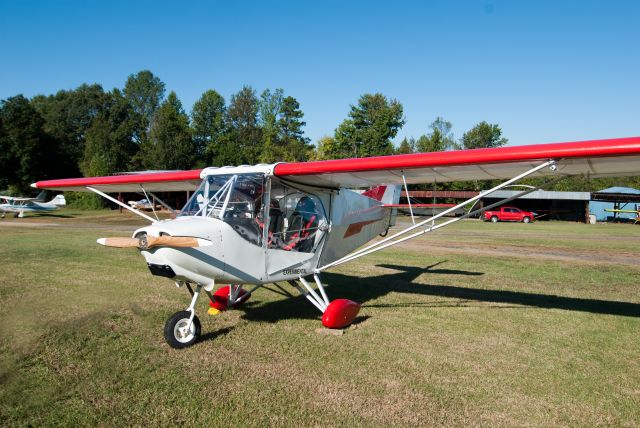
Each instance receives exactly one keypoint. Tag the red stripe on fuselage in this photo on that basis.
(356, 228)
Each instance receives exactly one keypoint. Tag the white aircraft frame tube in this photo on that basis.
(316, 277)
(192, 309)
(406, 189)
(153, 208)
(307, 295)
(315, 295)
(114, 200)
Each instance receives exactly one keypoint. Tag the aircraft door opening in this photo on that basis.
(297, 224)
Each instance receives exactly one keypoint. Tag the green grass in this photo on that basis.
(449, 334)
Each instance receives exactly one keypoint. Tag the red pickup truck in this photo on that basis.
(509, 214)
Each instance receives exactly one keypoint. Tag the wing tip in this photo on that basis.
(102, 241)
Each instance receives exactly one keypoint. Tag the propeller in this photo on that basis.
(145, 242)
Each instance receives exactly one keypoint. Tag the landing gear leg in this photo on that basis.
(227, 297)
(183, 328)
(340, 313)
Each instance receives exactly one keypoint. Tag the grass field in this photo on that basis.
(480, 324)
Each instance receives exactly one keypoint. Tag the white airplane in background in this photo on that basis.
(143, 204)
(261, 224)
(19, 206)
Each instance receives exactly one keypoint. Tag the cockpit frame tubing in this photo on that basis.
(226, 187)
(226, 200)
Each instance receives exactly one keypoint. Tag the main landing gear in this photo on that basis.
(183, 328)
(336, 314)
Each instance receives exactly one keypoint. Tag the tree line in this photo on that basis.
(89, 131)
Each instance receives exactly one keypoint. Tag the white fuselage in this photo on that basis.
(345, 221)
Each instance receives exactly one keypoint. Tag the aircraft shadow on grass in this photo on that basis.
(216, 333)
(364, 289)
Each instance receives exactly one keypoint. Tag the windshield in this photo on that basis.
(235, 199)
(239, 195)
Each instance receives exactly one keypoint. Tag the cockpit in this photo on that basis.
(268, 214)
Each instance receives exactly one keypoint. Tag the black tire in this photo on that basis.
(171, 330)
(494, 219)
(526, 219)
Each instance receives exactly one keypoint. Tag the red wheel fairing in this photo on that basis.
(340, 313)
(221, 298)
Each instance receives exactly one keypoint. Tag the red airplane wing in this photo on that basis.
(166, 181)
(613, 157)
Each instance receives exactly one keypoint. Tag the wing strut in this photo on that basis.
(389, 241)
(406, 189)
(164, 204)
(152, 202)
(104, 195)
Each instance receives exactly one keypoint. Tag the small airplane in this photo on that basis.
(19, 206)
(261, 224)
(143, 204)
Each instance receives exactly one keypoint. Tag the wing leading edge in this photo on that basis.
(611, 157)
(167, 181)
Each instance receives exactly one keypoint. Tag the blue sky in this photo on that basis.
(545, 71)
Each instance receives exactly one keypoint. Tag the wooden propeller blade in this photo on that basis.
(119, 242)
(169, 241)
(146, 242)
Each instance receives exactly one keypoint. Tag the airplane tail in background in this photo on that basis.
(388, 195)
(59, 201)
(384, 193)
(41, 196)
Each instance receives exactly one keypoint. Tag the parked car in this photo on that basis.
(509, 214)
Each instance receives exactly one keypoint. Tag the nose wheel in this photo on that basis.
(181, 331)
(183, 328)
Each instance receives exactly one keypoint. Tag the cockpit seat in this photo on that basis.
(303, 224)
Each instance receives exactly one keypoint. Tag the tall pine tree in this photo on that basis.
(370, 127)
(145, 92)
(208, 124)
(243, 142)
(270, 107)
(296, 145)
(170, 145)
(110, 144)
